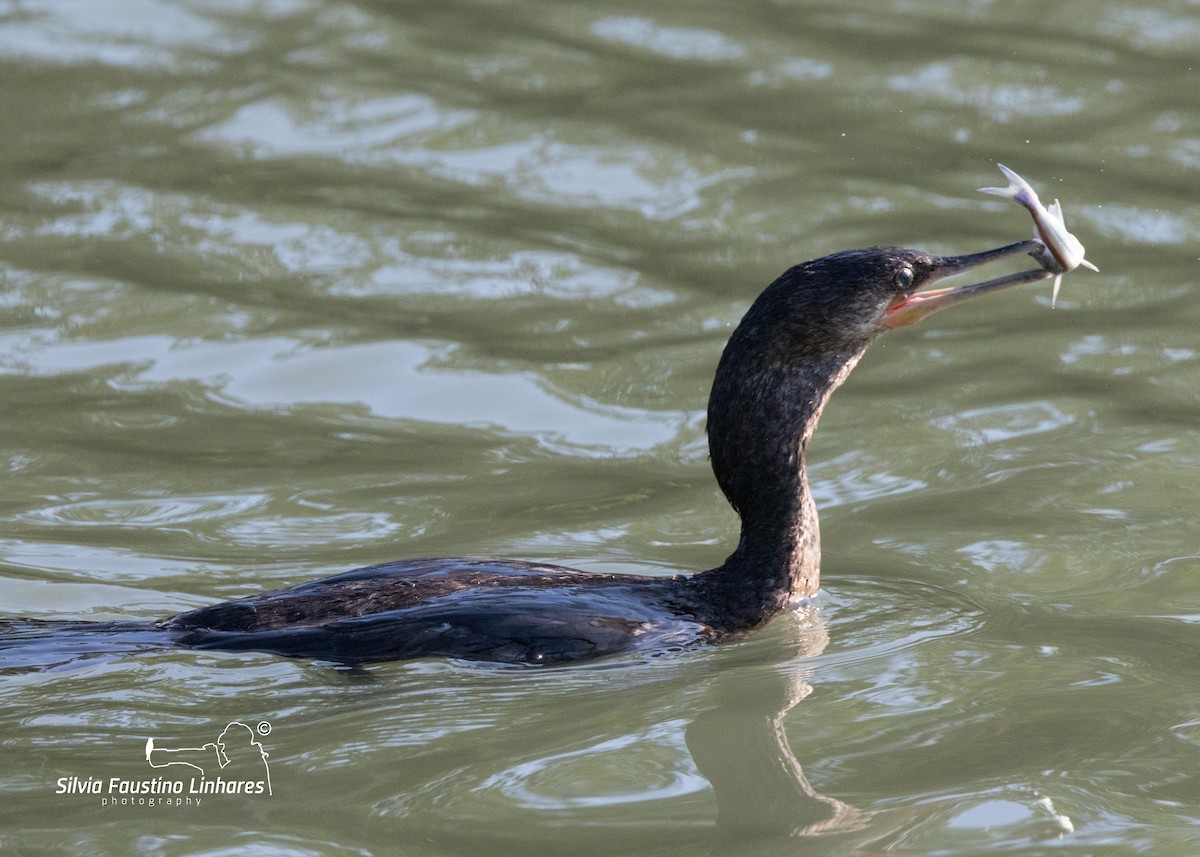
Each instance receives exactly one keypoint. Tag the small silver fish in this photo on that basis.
(1063, 252)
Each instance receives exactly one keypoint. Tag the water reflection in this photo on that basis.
(460, 756)
(614, 743)
(741, 747)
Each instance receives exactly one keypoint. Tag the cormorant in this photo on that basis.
(796, 344)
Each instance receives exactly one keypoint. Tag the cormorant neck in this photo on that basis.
(763, 410)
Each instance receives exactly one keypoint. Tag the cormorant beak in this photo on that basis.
(915, 306)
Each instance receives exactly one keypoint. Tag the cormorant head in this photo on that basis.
(843, 301)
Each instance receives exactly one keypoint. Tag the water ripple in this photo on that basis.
(536, 163)
(680, 43)
(146, 511)
(653, 765)
(123, 33)
(354, 527)
(857, 477)
(1005, 422)
(950, 83)
(361, 131)
(1130, 223)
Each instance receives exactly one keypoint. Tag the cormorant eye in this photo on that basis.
(904, 278)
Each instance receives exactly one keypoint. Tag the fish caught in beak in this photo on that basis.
(1054, 248)
(1063, 251)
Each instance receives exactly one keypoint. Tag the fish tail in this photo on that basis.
(1017, 189)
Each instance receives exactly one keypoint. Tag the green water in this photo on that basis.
(292, 287)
